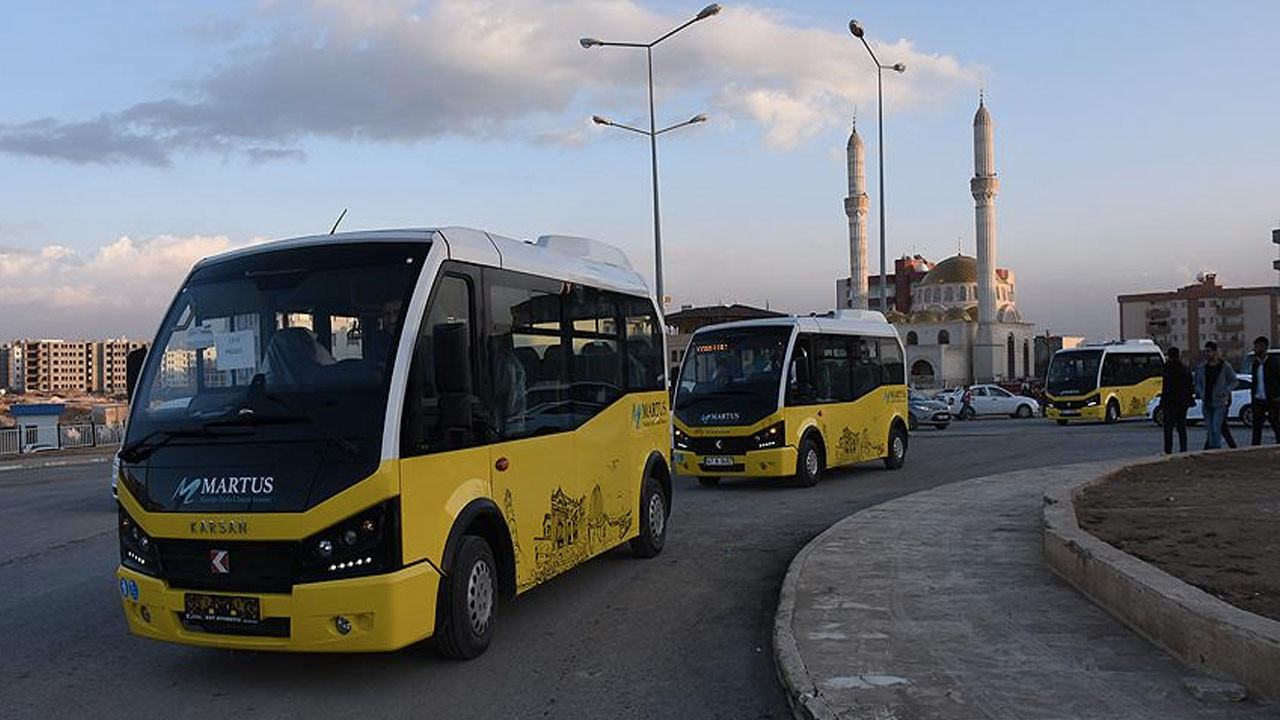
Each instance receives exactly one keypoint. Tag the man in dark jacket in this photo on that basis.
(1176, 395)
(1265, 396)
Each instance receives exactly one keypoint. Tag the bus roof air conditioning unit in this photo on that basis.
(585, 248)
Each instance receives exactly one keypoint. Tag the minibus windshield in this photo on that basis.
(294, 344)
(732, 376)
(1074, 372)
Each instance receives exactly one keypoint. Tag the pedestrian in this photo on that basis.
(966, 404)
(1265, 397)
(1214, 381)
(1176, 395)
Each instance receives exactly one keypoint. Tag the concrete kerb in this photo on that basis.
(51, 460)
(1204, 632)
(803, 696)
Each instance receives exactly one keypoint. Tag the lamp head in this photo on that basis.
(899, 67)
(699, 118)
(601, 120)
(588, 43)
(855, 27)
(708, 11)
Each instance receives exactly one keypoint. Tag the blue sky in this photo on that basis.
(1136, 142)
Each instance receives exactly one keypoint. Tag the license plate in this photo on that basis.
(1070, 412)
(718, 461)
(223, 608)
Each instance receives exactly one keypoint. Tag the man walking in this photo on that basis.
(1214, 382)
(1175, 398)
(1265, 398)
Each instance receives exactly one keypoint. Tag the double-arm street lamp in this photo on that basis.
(653, 132)
(856, 28)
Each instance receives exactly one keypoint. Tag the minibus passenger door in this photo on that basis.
(444, 459)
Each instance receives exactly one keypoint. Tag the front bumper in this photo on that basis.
(774, 462)
(1095, 412)
(386, 612)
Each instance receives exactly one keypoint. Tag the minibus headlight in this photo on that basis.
(367, 543)
(1091, 402)
(773, 436)
(680, 439)
(137, 550)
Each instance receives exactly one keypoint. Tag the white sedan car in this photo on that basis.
(992, 400)
(1240, 409)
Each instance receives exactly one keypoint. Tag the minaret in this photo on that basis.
(855, 206)
(984, 187)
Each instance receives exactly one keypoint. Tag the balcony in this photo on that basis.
(1158, 313)
(1230, 327)
(1231, 311)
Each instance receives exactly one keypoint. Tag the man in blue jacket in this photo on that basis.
(1215, 379)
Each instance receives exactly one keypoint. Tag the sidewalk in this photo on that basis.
(58, 458)
(940, 605)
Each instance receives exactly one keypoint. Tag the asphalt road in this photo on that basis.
(684, 635)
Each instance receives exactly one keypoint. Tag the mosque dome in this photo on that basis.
(896, 316)
(955, 269)
(959, 314)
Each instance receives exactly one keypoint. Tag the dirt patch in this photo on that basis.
(1213, 521)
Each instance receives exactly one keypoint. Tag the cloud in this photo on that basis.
(405, 72)
(122, 285)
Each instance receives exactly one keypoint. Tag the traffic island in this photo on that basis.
(1185, 551)
(940, 605)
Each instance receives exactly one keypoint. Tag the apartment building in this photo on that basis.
(66, 366)
(1195, 314)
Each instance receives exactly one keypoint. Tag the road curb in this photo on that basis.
(802, 695)
(1204, 632)
(62, 462)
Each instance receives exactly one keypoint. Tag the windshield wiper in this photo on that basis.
(143, 447)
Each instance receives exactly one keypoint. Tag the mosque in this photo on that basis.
(958, 318)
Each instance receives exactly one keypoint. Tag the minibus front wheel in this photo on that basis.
(468, 601)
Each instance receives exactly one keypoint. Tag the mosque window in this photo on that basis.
(912, 338)
(964, 293)
(944, 337)
(950, 294)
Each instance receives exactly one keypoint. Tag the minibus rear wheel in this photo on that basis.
(653, 520)
(468, 600)
(897, 448)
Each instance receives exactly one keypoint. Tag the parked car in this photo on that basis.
(1241, 410)
(991, 400)
(928, 411)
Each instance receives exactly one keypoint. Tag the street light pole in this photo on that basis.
(653, 132)
(856, 28)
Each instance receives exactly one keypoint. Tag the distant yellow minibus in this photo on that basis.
(790, 396)
(1103, 382)
(355, 442)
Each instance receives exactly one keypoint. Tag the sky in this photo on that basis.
(1136, 142)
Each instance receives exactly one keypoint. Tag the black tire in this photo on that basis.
(1062, 422)
(1023, 412)
(897, 449)
(708, 481)
(942, 426)
(809, 462)
(468, 599)
(654, 510)
(1157, 416)
(1113, 412)
(1246, 416)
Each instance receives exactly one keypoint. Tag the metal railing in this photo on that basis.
(33, 438)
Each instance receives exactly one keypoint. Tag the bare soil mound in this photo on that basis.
(1212, 521)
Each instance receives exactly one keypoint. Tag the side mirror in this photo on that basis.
(133, 363)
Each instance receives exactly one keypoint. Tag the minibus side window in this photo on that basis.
(597, 357)
(892, 366)
(833, 380)
(1111, 369)
(528, 362)
(800, 376)
(865, 365)
(442, 410)
(644, 363)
